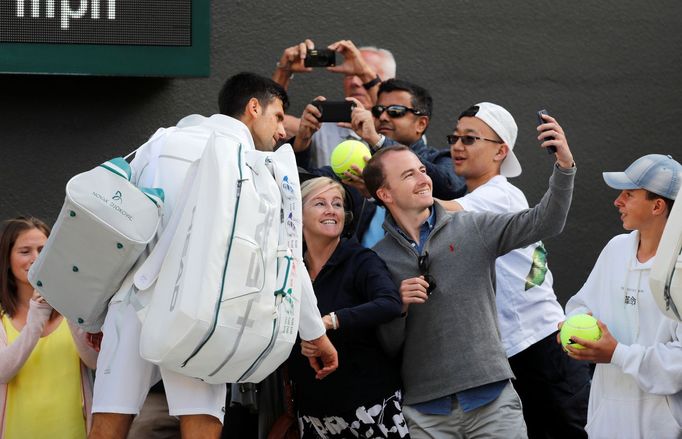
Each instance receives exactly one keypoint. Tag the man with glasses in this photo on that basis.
(554, 389)
(401, 116)
(454, 367)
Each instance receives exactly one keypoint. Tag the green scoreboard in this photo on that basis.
(105, 37)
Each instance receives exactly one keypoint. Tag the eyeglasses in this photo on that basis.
(394, 110)
(468, 140)
(423, 262)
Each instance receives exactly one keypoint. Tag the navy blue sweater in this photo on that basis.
(357, 286)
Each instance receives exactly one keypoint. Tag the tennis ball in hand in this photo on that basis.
(580, 325)
(347, 154)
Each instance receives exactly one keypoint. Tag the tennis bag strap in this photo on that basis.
(147, 273)
(282, 166)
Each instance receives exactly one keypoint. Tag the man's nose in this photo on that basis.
(619, 200)
(457, 146)
(423, 177)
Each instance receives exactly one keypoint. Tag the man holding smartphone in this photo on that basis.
(554, 390)
(401, 116)
(454, 367)
(363, 70)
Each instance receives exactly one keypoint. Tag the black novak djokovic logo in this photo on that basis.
(115, 203)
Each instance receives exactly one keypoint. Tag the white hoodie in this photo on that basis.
(639, 394)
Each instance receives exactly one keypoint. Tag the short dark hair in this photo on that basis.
(421, 98)
(240, 88)
(668, 202)
(373, 174)
(11, 229)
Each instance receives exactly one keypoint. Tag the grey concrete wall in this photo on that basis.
(608, 70)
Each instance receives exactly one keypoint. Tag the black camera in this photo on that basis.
(335, 111)
(320, 58)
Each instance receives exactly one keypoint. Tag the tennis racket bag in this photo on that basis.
(226, 297)
(104, 225)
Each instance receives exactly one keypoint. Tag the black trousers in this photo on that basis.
(554, 390)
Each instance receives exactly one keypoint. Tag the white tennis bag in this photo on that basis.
(665, 278)
(103, 227)
(225, 305)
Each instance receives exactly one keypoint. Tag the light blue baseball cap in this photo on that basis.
(657, 173)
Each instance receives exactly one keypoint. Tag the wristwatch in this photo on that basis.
(372, 83)
(380, 143)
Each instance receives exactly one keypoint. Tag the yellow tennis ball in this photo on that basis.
(347, 154)
(582, 326)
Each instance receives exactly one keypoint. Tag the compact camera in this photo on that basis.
(320, 58)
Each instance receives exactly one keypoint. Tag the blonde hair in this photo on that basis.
(318, 185)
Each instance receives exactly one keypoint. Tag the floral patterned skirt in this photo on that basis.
(379, 419)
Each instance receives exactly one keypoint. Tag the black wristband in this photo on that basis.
(372, 83)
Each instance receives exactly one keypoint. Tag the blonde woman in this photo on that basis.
(355, 293)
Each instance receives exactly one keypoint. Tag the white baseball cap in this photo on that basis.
(502, 122)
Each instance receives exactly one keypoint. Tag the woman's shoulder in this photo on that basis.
(3, 333)
(353, 248)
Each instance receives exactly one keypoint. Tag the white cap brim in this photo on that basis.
(511, 167)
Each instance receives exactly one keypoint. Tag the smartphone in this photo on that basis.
(320, 58)
(550, 149)
(335, 111)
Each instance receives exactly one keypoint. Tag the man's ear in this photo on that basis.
(660, 207)
(384, 195)
(502, 152)
(422, 124)
(253, 108)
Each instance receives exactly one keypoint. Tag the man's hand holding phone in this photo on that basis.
(353, 62)
(552, 136)
(309, 125)
(362, 122)
(293, 58)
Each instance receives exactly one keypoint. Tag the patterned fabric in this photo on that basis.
(383, 419)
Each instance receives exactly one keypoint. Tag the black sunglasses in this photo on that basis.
(394, 110)
(423, 261)
(468, 140)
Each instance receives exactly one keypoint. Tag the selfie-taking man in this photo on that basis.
(553, 389)
(454, 367)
